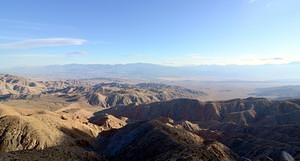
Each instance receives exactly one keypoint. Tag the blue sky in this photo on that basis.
(169, 32)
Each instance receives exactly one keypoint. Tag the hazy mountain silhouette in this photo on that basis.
(152, 71)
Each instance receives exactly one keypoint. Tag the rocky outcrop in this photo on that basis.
(97, 99)
(109, 122)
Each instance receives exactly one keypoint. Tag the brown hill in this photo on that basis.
(156, 141)
(31, 133)
(118, 94)
(39, 129)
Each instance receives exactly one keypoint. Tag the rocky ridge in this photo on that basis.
(101, 94)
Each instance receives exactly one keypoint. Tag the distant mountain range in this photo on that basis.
(160, 72)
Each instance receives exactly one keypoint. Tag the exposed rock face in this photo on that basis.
(109, 122)
(190, 126)
(97, 99)
(154, 140)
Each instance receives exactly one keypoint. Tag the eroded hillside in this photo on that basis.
(253, 128)
(101, 94)
(57, 120)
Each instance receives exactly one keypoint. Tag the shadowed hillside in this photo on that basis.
(156, 141)
(253, 128)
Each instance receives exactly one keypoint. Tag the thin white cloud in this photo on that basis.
(39, 43)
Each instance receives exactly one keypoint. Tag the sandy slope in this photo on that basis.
(42, 130)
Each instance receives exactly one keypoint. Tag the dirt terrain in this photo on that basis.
(58, 120)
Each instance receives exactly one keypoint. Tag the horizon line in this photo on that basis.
(145, 63)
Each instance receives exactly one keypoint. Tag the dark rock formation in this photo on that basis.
(156, 141)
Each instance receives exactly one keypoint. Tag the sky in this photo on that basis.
(167, 32)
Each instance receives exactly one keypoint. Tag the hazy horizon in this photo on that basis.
(165, 65)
